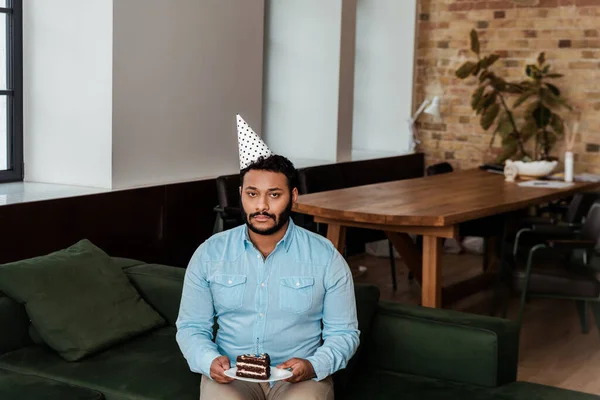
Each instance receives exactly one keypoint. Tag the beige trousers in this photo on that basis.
(242, 390)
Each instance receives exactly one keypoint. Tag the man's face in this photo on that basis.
(266, 201)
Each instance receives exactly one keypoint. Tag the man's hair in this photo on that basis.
(274, 163)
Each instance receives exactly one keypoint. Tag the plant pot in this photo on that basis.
(534, 169)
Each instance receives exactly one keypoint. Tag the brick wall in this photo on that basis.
(567, 30)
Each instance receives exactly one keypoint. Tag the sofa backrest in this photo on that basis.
(14, 325)
(367, 298)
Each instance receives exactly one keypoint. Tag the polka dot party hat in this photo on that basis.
(250, 145)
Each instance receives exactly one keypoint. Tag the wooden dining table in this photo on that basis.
(431, 206)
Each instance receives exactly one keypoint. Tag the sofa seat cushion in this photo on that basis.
(147, 367)
(29, 387)
(78, 300)
(382, 385)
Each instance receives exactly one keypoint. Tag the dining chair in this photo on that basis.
(561, 263)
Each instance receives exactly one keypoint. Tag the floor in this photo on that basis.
(553, 351)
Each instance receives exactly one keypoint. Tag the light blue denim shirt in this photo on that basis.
(298, 302)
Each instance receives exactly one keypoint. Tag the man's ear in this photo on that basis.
(294, 195)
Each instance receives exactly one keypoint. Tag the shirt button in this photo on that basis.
(258, 256)
(262, 284)
(261, 315)
(230, 281)
(297, 283)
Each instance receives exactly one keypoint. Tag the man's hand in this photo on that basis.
(301, 368)
(218, 368)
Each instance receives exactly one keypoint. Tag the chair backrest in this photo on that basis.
(437, 169)
(228, 190)
(228, 196)
(319, 179)
(591, 226)
(579, 206)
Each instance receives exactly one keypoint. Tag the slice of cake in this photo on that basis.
(256, 366)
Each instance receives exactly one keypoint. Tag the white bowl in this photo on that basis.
(534, 168)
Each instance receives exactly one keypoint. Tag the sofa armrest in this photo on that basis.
(159, 285)
(444, 344)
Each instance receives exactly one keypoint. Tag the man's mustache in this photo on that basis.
(263, 214)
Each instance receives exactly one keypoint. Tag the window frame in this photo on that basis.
(14, 91)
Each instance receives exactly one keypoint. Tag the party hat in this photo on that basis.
(250, 145)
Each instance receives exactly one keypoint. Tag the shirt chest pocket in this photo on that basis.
(296, 293)
(228, 291)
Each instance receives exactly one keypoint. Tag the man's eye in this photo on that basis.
(275, 195)
(251, 194)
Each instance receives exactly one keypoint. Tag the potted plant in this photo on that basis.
(536, 96)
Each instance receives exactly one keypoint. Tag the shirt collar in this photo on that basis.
(286, 241)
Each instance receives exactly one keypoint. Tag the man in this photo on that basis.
(274, 288)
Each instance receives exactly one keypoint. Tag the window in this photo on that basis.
(11, 91)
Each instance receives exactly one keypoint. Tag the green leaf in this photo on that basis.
(514, 88)
(483, 76)
(499, 84)
(474, 42)
(554, 76)
(546, 69)
(529, 70)
(557, 124)
(553, 89)
(528, 130)
(477, 69)
(551, 100)
(504, 127)
(465, 70)
(488, 117)
(541, 58)
(489, 60)
(523, 98)
(541, 115)
(489, 99)
(476, 97)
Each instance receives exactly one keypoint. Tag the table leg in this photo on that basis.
(408, 251)
(337, 235)
(431, 294)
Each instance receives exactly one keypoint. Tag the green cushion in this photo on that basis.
(148, 367)
(390, 386)
(78, 300)
(29, 387)
(159, 285)
(444, 344)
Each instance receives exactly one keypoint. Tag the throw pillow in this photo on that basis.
(78, 300)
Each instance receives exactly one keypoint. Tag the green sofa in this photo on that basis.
(406, 352)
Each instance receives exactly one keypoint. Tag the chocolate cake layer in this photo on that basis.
(252, 375)
(257, 366)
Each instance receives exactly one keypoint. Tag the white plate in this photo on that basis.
(276, 375)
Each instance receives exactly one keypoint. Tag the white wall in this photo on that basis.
(302, 56)
(67, 69)
(182, 70)
(383, 85)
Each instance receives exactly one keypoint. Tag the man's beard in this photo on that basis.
(280, 220)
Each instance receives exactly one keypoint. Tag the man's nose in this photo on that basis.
(263, 204)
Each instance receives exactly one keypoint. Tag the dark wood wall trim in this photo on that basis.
(161, 224)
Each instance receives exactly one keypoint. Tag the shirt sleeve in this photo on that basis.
(340, 324)
(196, 318)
